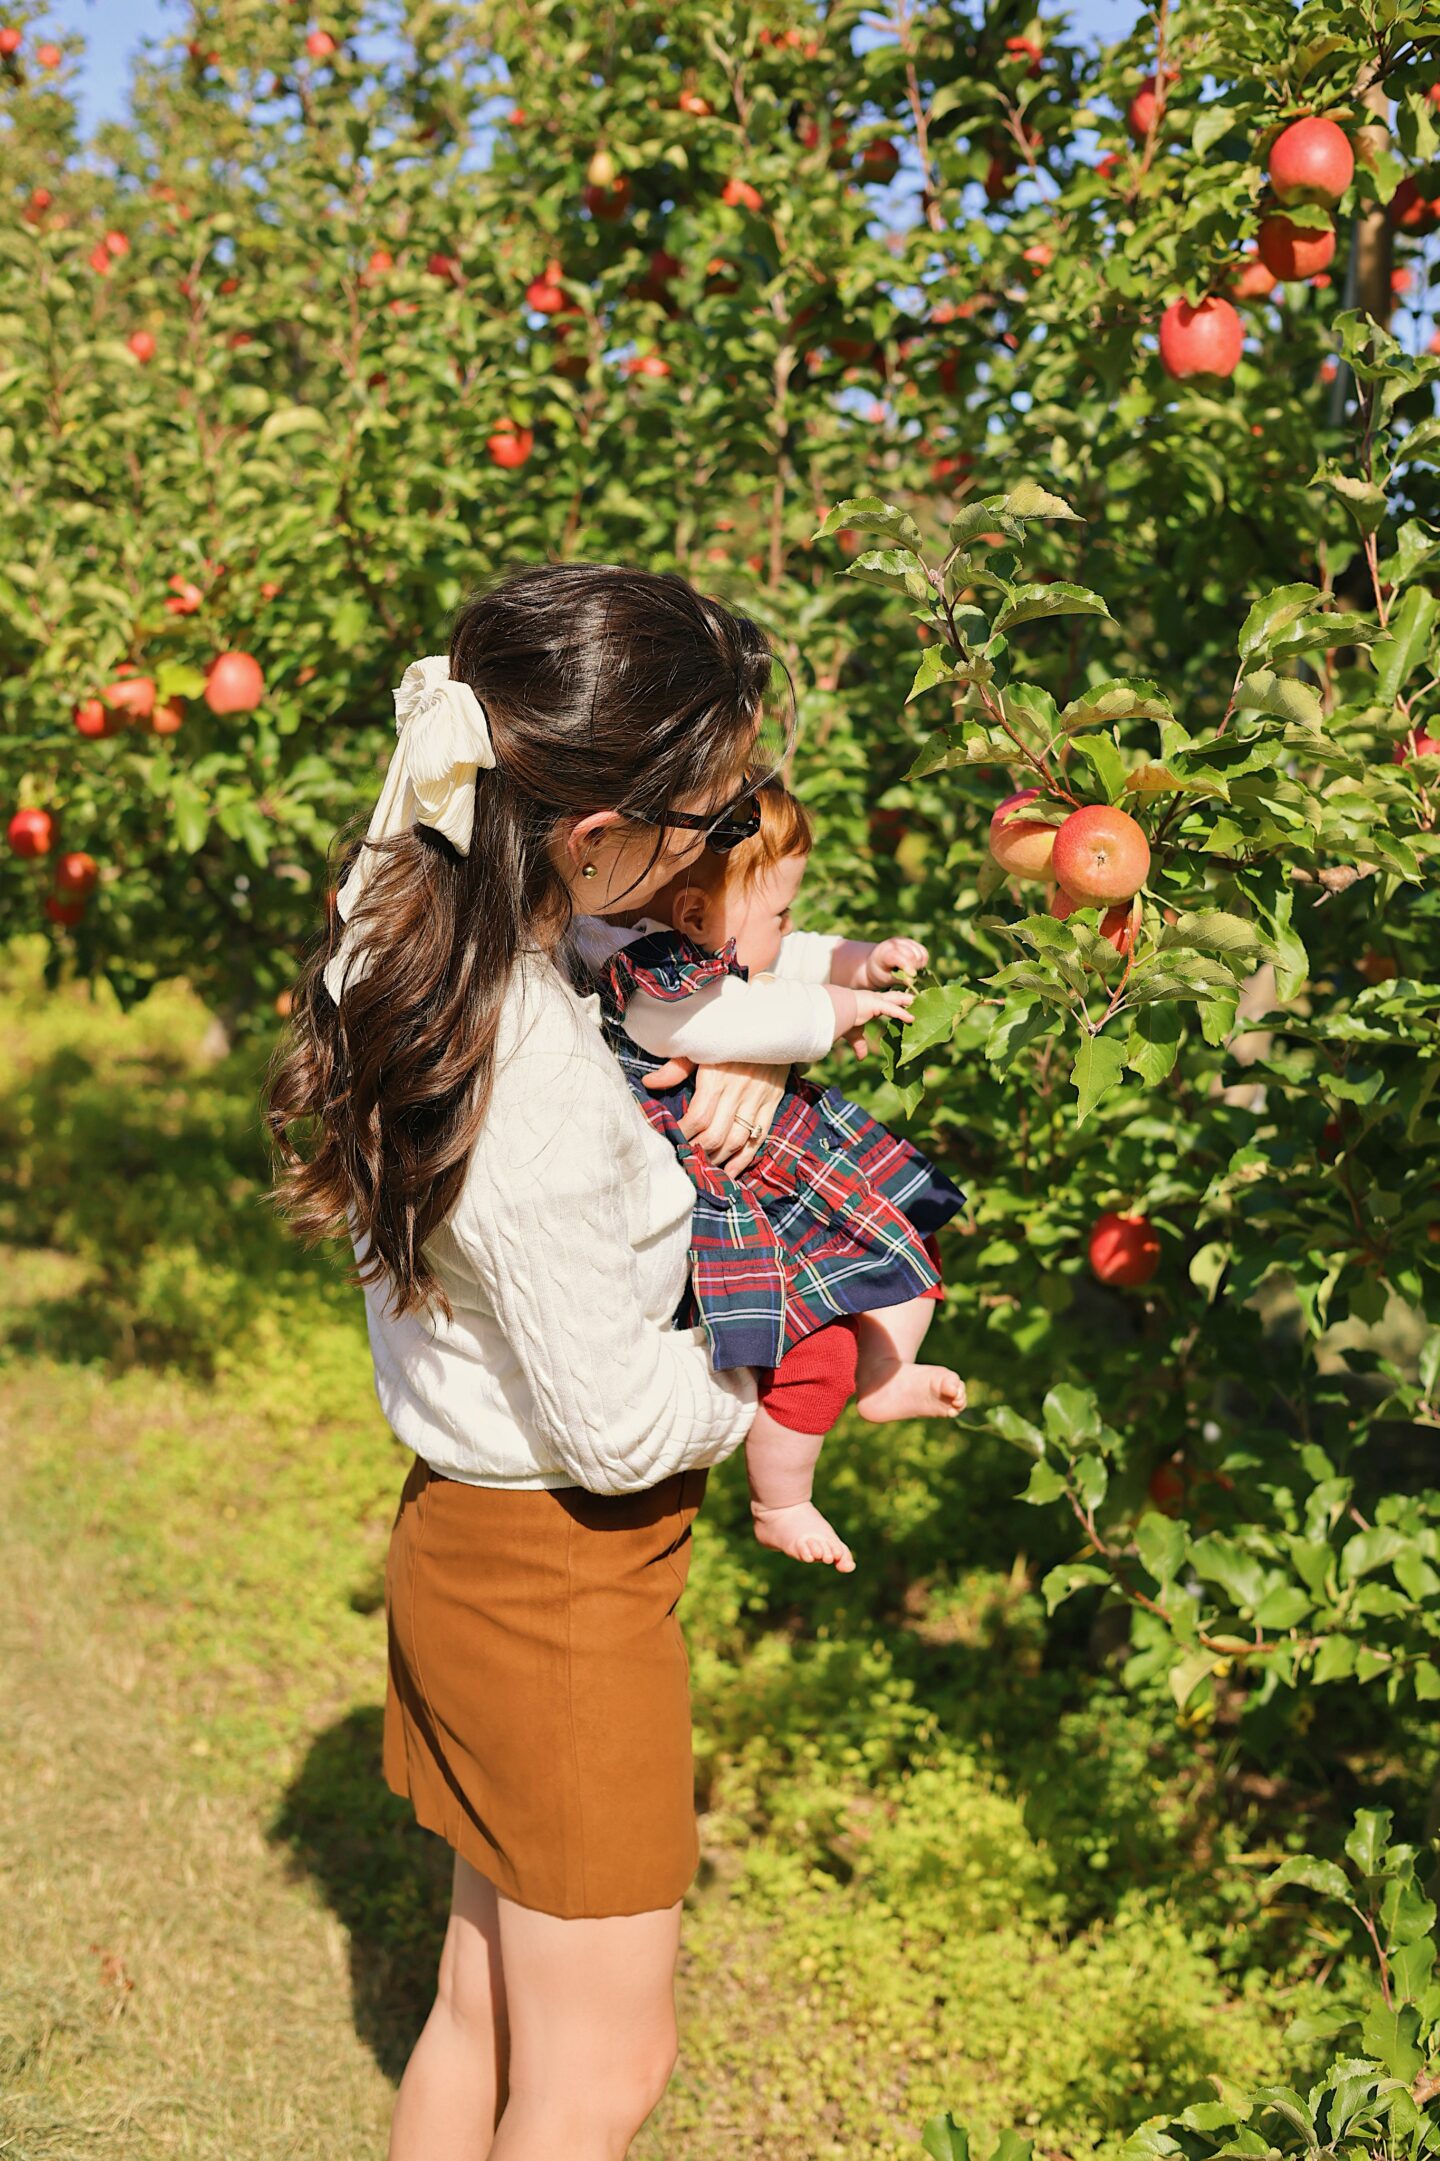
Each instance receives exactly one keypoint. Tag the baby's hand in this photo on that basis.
(875, 1005)
(890, 957)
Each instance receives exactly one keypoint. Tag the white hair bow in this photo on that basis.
(444, 741)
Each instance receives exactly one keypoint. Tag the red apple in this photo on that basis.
(99, 259)
(1311, 162)
(185, 598)
(68, 912)
(320, 45)
(10, 43)
(1107, 165)
(49, 56)
(1117, 925)
(1026, 47)
(740, 195)
(1255, 281)
(647, 364)
(166, 720)
(608, 203)
(1101, 856)
(690, 101)
(445, 266)
(1411, 212)
(1021, 846)
(270, 590)
(543, 295)
(880, 161)
(1377, 967)
(36, 207)
(1167, 1488)
(1426, 746)
(30, 832)
(93, 719)
(1144, 106)
(130, 694)
(76, 873)
(510, 446)
(142, 344)
(380, 264)
(1201, 340)
(1124, 1249)
(720, 276)
(234, 683)
(1292, 251)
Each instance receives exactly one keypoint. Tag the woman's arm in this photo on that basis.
(542, 1223)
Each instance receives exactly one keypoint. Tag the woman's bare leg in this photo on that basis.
(592, 2030)
(454, 2086)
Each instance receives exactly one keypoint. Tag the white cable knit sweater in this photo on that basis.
(565, 1259)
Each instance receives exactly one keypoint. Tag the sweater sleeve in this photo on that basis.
(542, 1223)
(805, 955)
(763, 1022)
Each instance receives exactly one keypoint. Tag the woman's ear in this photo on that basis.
(586, 831)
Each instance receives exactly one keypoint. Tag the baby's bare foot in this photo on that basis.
(891, 1390)
(801, 1531)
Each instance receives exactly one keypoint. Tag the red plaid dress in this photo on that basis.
(828, 1220)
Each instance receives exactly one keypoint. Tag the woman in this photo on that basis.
(521, 1233)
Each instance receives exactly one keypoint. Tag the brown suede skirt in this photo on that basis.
(537, 1708)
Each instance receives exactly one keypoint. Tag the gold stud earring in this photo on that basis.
(588, 871)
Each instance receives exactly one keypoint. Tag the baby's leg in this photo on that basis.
(780, 1464)
(888, 1383)
(799, 1401)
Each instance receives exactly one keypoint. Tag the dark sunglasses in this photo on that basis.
(723, 830)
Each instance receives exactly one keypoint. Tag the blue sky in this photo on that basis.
(113, 30)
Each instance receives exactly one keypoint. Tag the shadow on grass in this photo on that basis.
(385, 1880)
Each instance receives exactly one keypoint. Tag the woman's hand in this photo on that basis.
(727, 1097)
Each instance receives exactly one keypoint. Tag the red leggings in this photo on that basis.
(815, 1379)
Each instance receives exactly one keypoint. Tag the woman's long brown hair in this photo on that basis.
(606, 689)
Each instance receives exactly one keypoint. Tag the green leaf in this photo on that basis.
(1153, 1042)
(190, 815)
(1313, 1875)
(1033, 601)
(1012, 1427)
(1046, 1485)
(1098, 1066)
(1367, 1838)
(1030, 500)
(1127, 697)
(1209, 1265)
(1365, 502)
(1406, 644)
(1186, 1677)
(1213, 930)
(892, 567)
(1072, 1414)
(869, 514)
(1270, 613)
(1284, 1607)
(1262, 691)
(935, 666)
(175, 679)
(289, 420)
(1160, 1542)
(1392, 2038)
(1058, 1584)
(945, 2137)
(933, 1016)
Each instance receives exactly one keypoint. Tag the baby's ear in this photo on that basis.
(688, 911)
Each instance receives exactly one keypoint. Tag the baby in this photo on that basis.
(818, 1264)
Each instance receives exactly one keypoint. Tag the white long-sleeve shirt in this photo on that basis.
(773, 1019)
(565, 1258)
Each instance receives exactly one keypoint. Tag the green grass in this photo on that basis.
(940, 1870)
